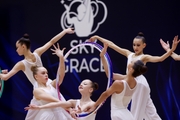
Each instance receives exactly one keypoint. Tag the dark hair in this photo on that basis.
(34, 70)
(25, 41)
(139, 68)
(141, 36)
(94, 85)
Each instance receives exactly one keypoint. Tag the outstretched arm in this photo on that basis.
(18, 66)
(61, 68)
(42, 49)
(167, 48)
(122, 51)
(149, 58)
(63, 104)
(175, 56)
(115, 87)
(117, 76)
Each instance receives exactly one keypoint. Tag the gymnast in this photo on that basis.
(46, 93)
(142, 106)
(31, 58)
(121, 90)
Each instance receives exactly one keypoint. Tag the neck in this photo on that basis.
(85, 98)
(129, 77)
(42, 85)
(138, 54)
(28, 54)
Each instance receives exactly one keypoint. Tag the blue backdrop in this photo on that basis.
(118, 21)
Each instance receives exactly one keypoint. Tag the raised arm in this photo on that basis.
(116, 76)
(18, 66)
(45, 47)
(103, 52)
(149, 58)
(166, 47)
(122, 51)
(61, 68)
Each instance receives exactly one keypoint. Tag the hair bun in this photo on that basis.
(96, 86)
(34, 67)
(140, 34)
(26, 36)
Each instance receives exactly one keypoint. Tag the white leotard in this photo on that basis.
(120, 102)
(90, 117)
(142, 106)
(28, 71)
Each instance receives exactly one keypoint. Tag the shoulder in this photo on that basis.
(145, 57)
(38, 91)
(35, 53)
(118, 82)
(118, 85)
(19, 65)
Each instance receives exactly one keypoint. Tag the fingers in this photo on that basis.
(27, 108)
(52, 50)
(54, 47)
(4, 71)
(162, 42)
(70, 30)
(58, 46)
(63, 50)
(79, 108)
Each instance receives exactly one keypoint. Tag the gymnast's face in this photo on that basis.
(138, 46)
(85, 87)
(19, 49)
(41, 75)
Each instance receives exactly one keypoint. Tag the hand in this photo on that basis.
(4, 71)
(73, 113)
(69, 30)
(165, 45)
(93, 39)
(32, 107)
(175, 42)
(104, 50)
(57, 51)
